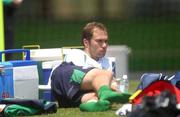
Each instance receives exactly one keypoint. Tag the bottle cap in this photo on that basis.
(124, 77)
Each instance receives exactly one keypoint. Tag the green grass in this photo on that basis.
(75, 112)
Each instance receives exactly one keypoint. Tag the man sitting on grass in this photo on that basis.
(84, 79)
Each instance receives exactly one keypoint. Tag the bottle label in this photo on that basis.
(123, 88)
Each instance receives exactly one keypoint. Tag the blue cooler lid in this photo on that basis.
(5, 64)
(19, 63)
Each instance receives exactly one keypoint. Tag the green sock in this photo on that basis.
(105, 93)
(101, 105)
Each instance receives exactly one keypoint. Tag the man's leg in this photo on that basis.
(99, 81)
(96, 78)
(90, 101)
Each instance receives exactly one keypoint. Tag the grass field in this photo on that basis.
(75, 112)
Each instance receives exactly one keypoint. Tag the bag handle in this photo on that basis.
(26, 51)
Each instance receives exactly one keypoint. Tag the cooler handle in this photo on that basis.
(26, 51)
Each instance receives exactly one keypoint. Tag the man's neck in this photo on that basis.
(96, 59)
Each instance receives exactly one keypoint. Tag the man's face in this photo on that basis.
(97, 46)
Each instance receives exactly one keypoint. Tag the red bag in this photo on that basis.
(155, 89)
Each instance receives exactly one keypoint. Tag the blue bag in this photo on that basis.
(175, 79)
(6, 80)
(148, 78)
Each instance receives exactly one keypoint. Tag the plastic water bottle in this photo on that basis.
(124, 84)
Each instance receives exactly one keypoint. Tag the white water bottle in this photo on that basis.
(124, 84)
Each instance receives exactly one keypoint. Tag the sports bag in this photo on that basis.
(152, 84)
(24, 107)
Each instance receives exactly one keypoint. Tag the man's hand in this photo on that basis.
(17, 2)
(114, 85)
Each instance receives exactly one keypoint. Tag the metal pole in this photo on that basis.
(1, 27)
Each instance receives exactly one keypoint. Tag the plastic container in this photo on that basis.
(6, 80)
(46, 94)
(120, 52)
(25, 75)
(124, 84)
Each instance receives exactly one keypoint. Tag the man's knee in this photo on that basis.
(106, 73)
(94, 75)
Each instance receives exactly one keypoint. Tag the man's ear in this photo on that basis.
(85, 42)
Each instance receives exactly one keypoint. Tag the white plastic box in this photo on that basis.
(26, 80)
(120, 52)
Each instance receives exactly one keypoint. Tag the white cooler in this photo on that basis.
(26, 80)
